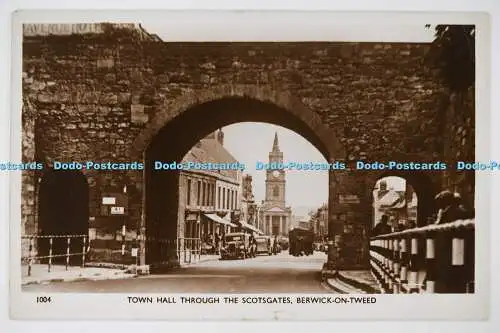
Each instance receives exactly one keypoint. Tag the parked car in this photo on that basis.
(207, 248)
(263, 245)
(237, 246)
(284, 243)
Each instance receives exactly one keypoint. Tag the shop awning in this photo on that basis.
(216, 218)
(250, 227)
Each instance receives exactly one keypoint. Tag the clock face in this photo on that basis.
(276, 173)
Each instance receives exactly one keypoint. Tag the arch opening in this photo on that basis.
(407, 199)
(63, 211)
(178, 136)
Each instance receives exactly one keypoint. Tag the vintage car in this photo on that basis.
(236, 245)
(284, 242)
(263, 245)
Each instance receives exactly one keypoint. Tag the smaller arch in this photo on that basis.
(421, 183)
(63, 209)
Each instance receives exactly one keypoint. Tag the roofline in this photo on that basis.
(210, 174)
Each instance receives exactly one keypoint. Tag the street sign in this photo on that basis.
(348, 199)
(117, 210)
(109, 201)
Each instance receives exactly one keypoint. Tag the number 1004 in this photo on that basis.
(43, 299)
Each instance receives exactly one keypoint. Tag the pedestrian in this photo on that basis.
(217, 243)
(401, 226)
(451, 208)
(382, 227)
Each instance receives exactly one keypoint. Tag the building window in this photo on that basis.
(276, 191)
(209, 193)
(188, 199)
(213, 195)
(203, 194)
(231, 199)
(223, 198)
(207, 197)
(218, 198)
(198, 193)
(227, 202)
(209, 200)
(236, 200)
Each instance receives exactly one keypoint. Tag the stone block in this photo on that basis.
(109, 99)
(137, 115)
(105, 63)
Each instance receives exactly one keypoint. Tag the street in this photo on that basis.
(280, 273)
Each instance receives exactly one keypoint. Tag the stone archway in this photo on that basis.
(421, 182)
(63, 209)
(181, 123)
(281, 99)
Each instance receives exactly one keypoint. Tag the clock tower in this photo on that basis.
(275, 178)
(274, 217)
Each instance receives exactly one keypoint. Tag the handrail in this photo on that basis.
(437, 258)
(80, 241)
(459, 224)
(52, 236)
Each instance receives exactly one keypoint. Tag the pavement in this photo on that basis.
(202, 258)
(58, 273)
(352, 282)
(280, 273)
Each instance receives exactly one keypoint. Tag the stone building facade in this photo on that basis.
(320, 223)
(400, 206)
(207, 197)
(115, 93)
(275, 216)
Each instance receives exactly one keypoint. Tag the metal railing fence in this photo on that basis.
(189, 249)
(55, 247)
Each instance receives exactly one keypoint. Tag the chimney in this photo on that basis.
(220, 137)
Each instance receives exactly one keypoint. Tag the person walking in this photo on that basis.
(382, 227)
(451, 208)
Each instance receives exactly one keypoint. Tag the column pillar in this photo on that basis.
(348, 217)
(281, 225)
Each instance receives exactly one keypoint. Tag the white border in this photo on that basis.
(482, 182)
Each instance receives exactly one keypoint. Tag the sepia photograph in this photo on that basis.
(254, 171)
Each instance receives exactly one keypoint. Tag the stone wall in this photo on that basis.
(94, 94)
(459, 143)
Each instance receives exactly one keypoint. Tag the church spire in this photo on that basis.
(276, 147)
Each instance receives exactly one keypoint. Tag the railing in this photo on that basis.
(431, 259)
(189, 249)
(71, 245)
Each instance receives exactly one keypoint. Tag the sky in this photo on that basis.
(251, 142)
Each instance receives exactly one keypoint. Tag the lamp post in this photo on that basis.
(258, 217)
